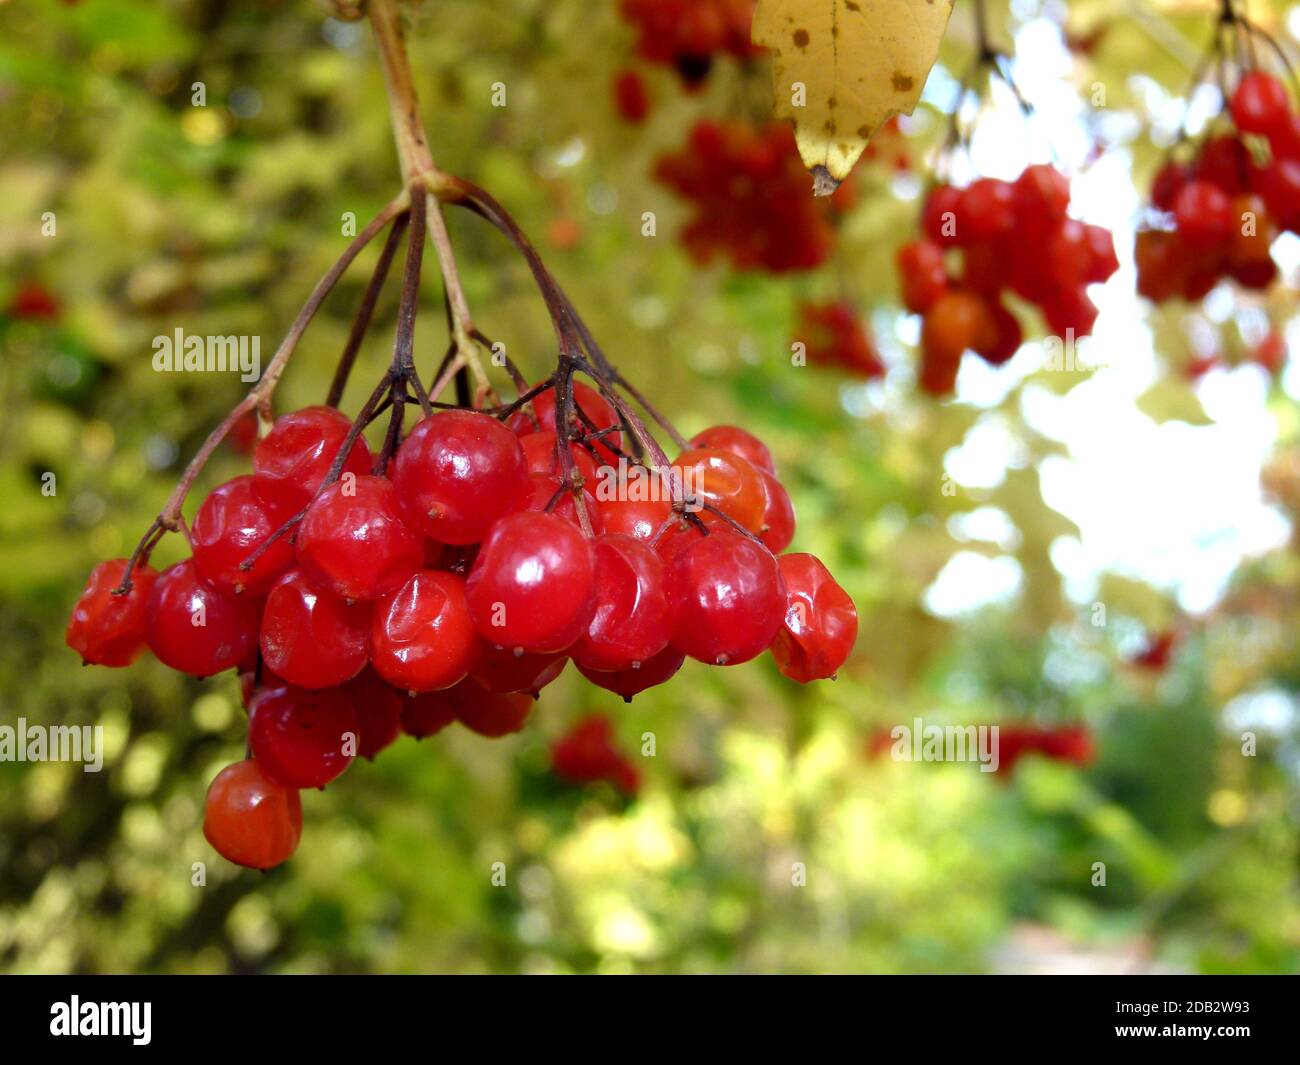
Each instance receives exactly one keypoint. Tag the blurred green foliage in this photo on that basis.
(218, 219)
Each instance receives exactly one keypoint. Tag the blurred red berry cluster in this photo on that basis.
(836, 337)
(587, 753)
(1219, 213)
(1010, 236)
(752, 197)
(687, 34)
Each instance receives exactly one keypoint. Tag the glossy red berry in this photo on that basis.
(531, 585)
(379, 711)
(726, 598)
(354, 542)
(196, 629)
(421, 636)
(457, 473)
(586, 398)
(545, 488)
(500, 670)
(301, 738)
(726, 481)
(311, 638)
(251, 820)
(1260, 104)
(107, 629)
(230, 525)
(291, 461)
(778, 515)
(541, 457)
(638, 518)
(633, 681)
(821, 622)
(489, 713)
(630, 622)
(735, 440)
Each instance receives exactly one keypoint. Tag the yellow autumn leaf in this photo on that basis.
(841, 68)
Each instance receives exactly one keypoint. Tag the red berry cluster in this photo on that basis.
(1219, 213)
(836, 337)
(1012, 236)
(361, 600)
(1063, 743)
(33, 302)
(687, 34)
(751, 197)
(587, 754)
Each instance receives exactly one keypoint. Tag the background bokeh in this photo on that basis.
(1024, 554)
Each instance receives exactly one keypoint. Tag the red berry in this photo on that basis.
(544, 489)
(958, 322)
(939, 216)
(291, 461)
(630, 620)
(230, 525)
(353, 541)
(986, 210)
(1008, 336)
(633, 681)
(1169, 180)
(1102, 260)
(638, 518)
(1041, 195)
(107, 629)
(726, 598)
(585, 398)
(379, 711)
(540, 456)
(726, 481)
(250, 820)
(736, 440)
(427, 714)
(1068, 257)
(489, 713)
(1070, 311)
(421, 636)
(1260, 104)
(301, 738)
(821, 622)
(1203, 214)
(631, 97)
(778, 515)
(1225, 162)
(457, 473)
(311, 638)
(194, 628)
(923, 273)
(531, 585)
(500, 670)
